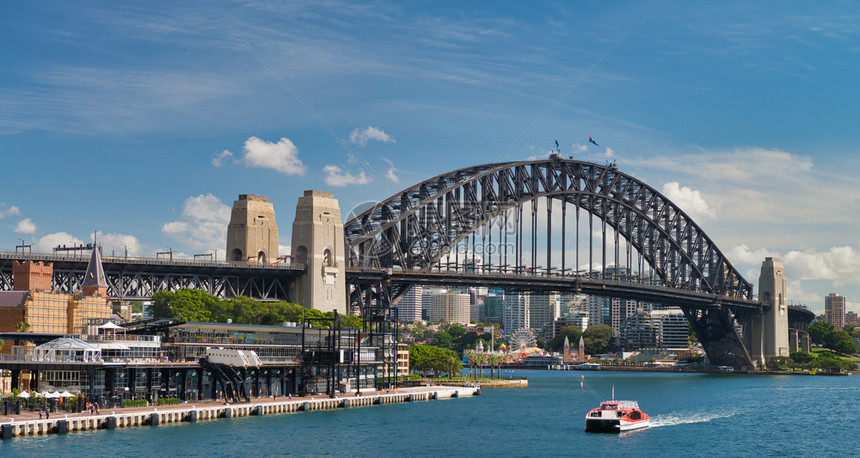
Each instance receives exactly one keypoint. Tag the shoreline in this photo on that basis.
(28, 424)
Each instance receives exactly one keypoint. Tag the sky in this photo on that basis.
(143, 122)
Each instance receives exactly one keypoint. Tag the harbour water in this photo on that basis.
(692, 415)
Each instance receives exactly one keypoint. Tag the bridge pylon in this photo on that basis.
(769, 335)
(318, 243)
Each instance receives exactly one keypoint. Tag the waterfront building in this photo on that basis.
(515, 314)
(834, 310)
(450, 307)
(170, 358)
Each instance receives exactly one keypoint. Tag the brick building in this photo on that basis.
(33, 303)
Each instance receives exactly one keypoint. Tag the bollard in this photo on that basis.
(5, 432)
(62, 427)
(153, 419)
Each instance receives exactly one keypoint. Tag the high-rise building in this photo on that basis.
(543, 309)
(516, 312)
(834, 310)
(409, 307)
(449, 307)
(492, 309)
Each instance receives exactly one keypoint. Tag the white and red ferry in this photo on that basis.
(616, 416)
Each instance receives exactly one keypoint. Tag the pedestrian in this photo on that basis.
(48, 413)
(291, 396)
(40, 413)
(97, 408)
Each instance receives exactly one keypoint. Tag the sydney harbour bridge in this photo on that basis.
(547, 225)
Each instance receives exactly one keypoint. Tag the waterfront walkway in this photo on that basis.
(28, 423)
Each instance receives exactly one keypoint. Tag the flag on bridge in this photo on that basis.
(556, 144)
(591, 140)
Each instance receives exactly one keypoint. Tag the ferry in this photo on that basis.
(616, 417)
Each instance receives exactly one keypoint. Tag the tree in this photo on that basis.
(22, 326)
(455, 330)
(429, 358)
(818, 332)
(841, 342)
(442, 339)
(571, 332)
(596, 338)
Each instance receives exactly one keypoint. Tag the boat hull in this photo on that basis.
(606, 425)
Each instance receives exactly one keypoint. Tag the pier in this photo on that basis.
(11, 427)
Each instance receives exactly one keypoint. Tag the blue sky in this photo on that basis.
(146, 121)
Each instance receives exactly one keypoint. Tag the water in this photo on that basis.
(691, 414)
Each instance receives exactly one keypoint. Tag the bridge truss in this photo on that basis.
(540, 219)
(140, 278)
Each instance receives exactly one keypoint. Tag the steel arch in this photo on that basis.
(414, 229)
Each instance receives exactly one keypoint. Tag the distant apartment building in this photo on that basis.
(834, 310)
(450, 307)
(663, 329)
(516, 312)
(543, 310)
(611, 311)
(410, 305)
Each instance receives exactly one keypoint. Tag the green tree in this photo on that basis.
(571, 332)
(456, 331)
(818, 332)
(596, 338)
(22, 326)
(442, 339)
(429, 358)
(841, 342)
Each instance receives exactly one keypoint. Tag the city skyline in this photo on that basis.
(146, 122)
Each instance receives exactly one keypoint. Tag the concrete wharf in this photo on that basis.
(23, 425)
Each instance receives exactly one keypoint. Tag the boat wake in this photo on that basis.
(687, 418)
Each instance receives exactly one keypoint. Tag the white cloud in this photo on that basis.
(742, 165)
(841, 265)
(203, 226)
(391, 174)
(117, 243)
(335, 176)
(282, 156)
(690, 200)
(11, 211)
(742, 254)
(25, 226)
(222, 157)
(370, 133)
(47, 243)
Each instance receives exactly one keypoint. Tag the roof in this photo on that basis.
(95, 275)
(67, 343)
(13, 298)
